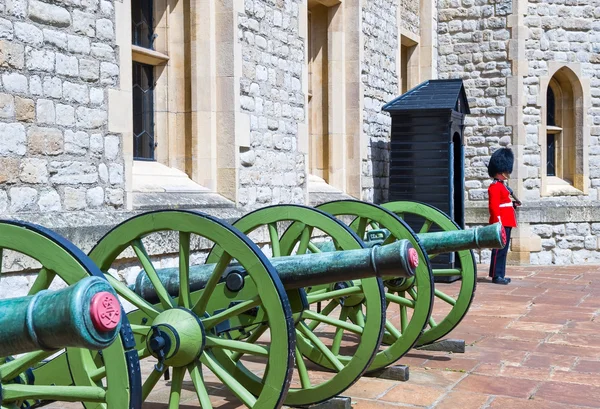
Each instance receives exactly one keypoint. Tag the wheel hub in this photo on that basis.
(400, 284)
(177, 338)
(349, 300)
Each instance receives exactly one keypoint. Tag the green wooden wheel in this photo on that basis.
(73, 374)
(453, 306)
(409, 301)
(320, 334)
(185, 333)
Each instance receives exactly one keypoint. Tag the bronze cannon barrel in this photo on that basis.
(84, 315)
(398, 259)
(492, 237)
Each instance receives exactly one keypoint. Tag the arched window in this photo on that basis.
(563, 166)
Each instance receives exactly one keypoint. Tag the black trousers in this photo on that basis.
(498, 260)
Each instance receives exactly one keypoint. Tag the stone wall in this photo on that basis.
(273, 170)
(561, 34)
(380, 82)
(57, 60)
(410, 13)
(473, 45)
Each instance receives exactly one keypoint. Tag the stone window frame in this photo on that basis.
(211, 81)
(569, 88)
(347, 144)
(409, 71)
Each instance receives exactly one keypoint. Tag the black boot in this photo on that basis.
(501, 280)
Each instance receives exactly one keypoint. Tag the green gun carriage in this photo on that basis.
(232, 322)
(236, 316)
(228, 314)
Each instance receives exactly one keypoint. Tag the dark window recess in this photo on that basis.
(550, 108)
(142, 27)
(551, 155)
(143, 111)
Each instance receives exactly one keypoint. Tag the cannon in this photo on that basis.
(398, 259)
(233, 312)
(58, 333)
(492, 236)
(85, 315)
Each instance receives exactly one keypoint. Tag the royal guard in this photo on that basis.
(502, 208)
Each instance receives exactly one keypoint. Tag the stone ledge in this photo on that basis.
(563, 211)
(85, 229)
(179, 200)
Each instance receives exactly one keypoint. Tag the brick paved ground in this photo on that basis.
(533, 344)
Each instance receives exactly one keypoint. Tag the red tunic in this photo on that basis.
(500, 205)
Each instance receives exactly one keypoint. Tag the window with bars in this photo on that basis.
(142, 23)
(143, 112)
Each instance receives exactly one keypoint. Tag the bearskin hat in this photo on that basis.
(501, 161)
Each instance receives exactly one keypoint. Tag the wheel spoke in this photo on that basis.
(184, 270)
(200, 307)
(426, 226)
(11, 369)
(321, 347)
(195, 371)
(339, 333)
(274, 239)
(441, 272)
(151, 382)
(339, 323)
(237, 388)
(98, 374)
(313, 248)
(161, 291)
(392, 330)
(302, 371)
(250, 340)
(176, 386)
(445, 297)
(42, 281)
(412, 293)
(432, 322)
(325, 311)
(402, 301)
(132, 297)
(211, 322)
(362, 227)
(403, 314)
(359, 316)
(142, 330)
(304, 240)
(329, 295)
(14, 391)
(237, 346)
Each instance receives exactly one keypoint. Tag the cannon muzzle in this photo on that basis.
(398, 259)
(85, 315)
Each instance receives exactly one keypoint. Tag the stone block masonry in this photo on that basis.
(380, 82)
(57, 60)
(273, 170)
